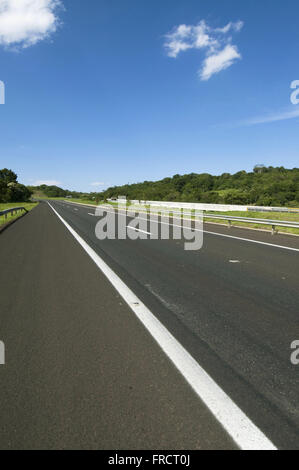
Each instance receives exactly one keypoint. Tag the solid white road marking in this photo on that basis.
(253, 241)
(241, 429)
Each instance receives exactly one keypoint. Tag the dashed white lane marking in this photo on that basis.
(236, 423)
(138, 230)
(234, 261)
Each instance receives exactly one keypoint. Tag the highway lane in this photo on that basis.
(236, 319)
(81, 371)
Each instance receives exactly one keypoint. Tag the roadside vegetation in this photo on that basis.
(10, 189)
(264, 186)
(10, 205)
(13, 194)
(54, 192)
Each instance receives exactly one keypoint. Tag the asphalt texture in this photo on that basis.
(234, 305)
(81, 371)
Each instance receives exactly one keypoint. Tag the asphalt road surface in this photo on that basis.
(81, 370)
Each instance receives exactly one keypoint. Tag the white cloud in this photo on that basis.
(99, 184)
(185, 37)
(274, 117)
(219, 61)
(202, 36)
(176, 46)
(238, 25)
(231, 26)
(47, 183)
(214, 42)
(24, 23)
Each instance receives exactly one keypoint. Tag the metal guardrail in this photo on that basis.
(252, 220)
(210, 207)
(290, 210)
(229, 219)
(12, 211)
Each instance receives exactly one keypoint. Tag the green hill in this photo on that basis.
(266, 186)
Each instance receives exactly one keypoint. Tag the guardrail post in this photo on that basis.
(273, 230)
(229, 224)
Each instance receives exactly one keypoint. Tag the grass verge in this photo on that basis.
(10, 205)
(291, 217)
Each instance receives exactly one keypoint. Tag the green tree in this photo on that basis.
(10, 189)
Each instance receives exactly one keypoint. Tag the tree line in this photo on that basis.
(10, 189)
(265, 186)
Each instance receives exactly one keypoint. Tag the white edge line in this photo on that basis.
(242, 430)
(289, 248)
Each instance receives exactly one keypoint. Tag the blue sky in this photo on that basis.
(118, 91)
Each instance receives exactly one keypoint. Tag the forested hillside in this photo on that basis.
(53, 192)
(265, 186)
